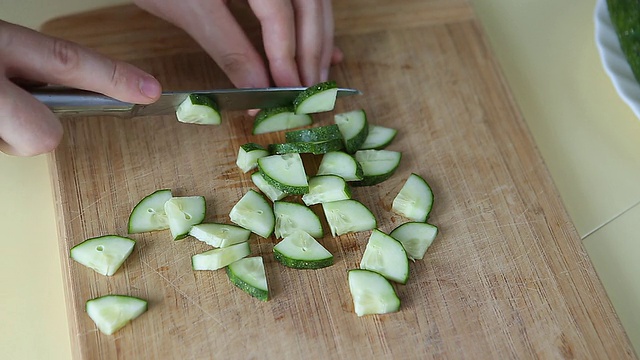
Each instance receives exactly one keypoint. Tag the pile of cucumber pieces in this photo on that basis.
(352, 153)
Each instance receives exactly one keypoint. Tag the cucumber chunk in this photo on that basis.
(377, 165)
(248, 156)
(273, 193)
(249, 275)
(183, 213)
(326, 188)
(416, 237)
(278, 119)
(354, 128)
(317, 98)
(198, 109)
(219, 235)
(111, 313)
(316, 134)
(148, 214)
(285, 172)
(104, 254)
(372, 293)
(345, 216)
(300, 250)
(253, 212)
(378, 138)
(292, 217)
(317, 148)
(341, 164)
(218, 258)
(386, 256)
(415, 199)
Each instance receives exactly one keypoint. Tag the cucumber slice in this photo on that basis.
(377, 165)
(183, 213)
(285, 172)
(218, 258)
(248, 156)
(378, 138)
(316, 134)
(372, 293)
(326, 188)
(416, 237)
(148, 214)
(249, 275)
(273, 193)
(317, 148)
(300, 250)
(253, 212)
(317, 98)
(111, 313)
(198, 109)
(345, 216)
(219, 235)
(415, 199)
(354, 128)
(292, 217)
(104, 254)
(386, 256)
(341, 164)
(278, 119)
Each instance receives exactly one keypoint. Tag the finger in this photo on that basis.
(278, 35)
(31, 55)
(336, 56)
(27, 128)
(327, 43)
(309, 41)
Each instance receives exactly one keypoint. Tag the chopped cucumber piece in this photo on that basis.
(341, 164)
(183, 213)
(354, 128)
(248, 156)
(278, 119)
(316, 134)
(285, 172)
(253, 212)
(378, 138)
(273, 193)
(110, 313)
(249, 275)
(300, 250)
(372, 293)
(416, 237)
(104, 254)
(148, 214)
(326, 188)
(386, 256)
(291, 217)
(218, 258)
(219, 235)
(317, 98)
(415, 199)
(345, 216)
(198, 109)
(377, 165)
(317, 148)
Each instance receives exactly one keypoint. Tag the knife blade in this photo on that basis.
(65, 101)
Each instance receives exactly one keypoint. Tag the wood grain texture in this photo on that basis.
(506, 278)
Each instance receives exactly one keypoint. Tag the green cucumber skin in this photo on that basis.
(202, 99)
(312, 90)
(259, 294)
(265, 114)
(625, 16)
(291, 190)
(316, 134)
(302, 264)
(248, 147)
(316, 148)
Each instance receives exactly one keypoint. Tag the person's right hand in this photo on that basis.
(27, 127)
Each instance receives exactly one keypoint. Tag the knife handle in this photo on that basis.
(74, 102)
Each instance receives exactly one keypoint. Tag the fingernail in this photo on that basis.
(150, 87)
(324, 74)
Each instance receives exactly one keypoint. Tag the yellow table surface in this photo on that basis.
(588, 137)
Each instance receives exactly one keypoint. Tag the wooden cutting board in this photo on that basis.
(507, 276)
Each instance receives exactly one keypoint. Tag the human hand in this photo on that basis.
(297, 37)
(27, 127)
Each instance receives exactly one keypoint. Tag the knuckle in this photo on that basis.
(65, 56)
(233, 63)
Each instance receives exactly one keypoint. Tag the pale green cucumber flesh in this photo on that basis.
(292, 217)
(184, 212)
(219, 235)
(345, 216)
(377, 165)
(386, 256)
(110, 313)
(104, 254)
(354, 128)
(218, 258)
(317, 98)
(414, 200)
(253, 212)
(300, 250)
(198, 109)
(372, 293)
(378, 138)
(285, 172)
(326, 188)
(272, 192)
(341, 164)
(248, 156)
(278, 119)
(249, 275)
(148, 214)
(416, 237)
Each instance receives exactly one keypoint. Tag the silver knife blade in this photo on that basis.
(68, 101)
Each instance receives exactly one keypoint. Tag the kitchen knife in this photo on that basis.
(73, 102)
